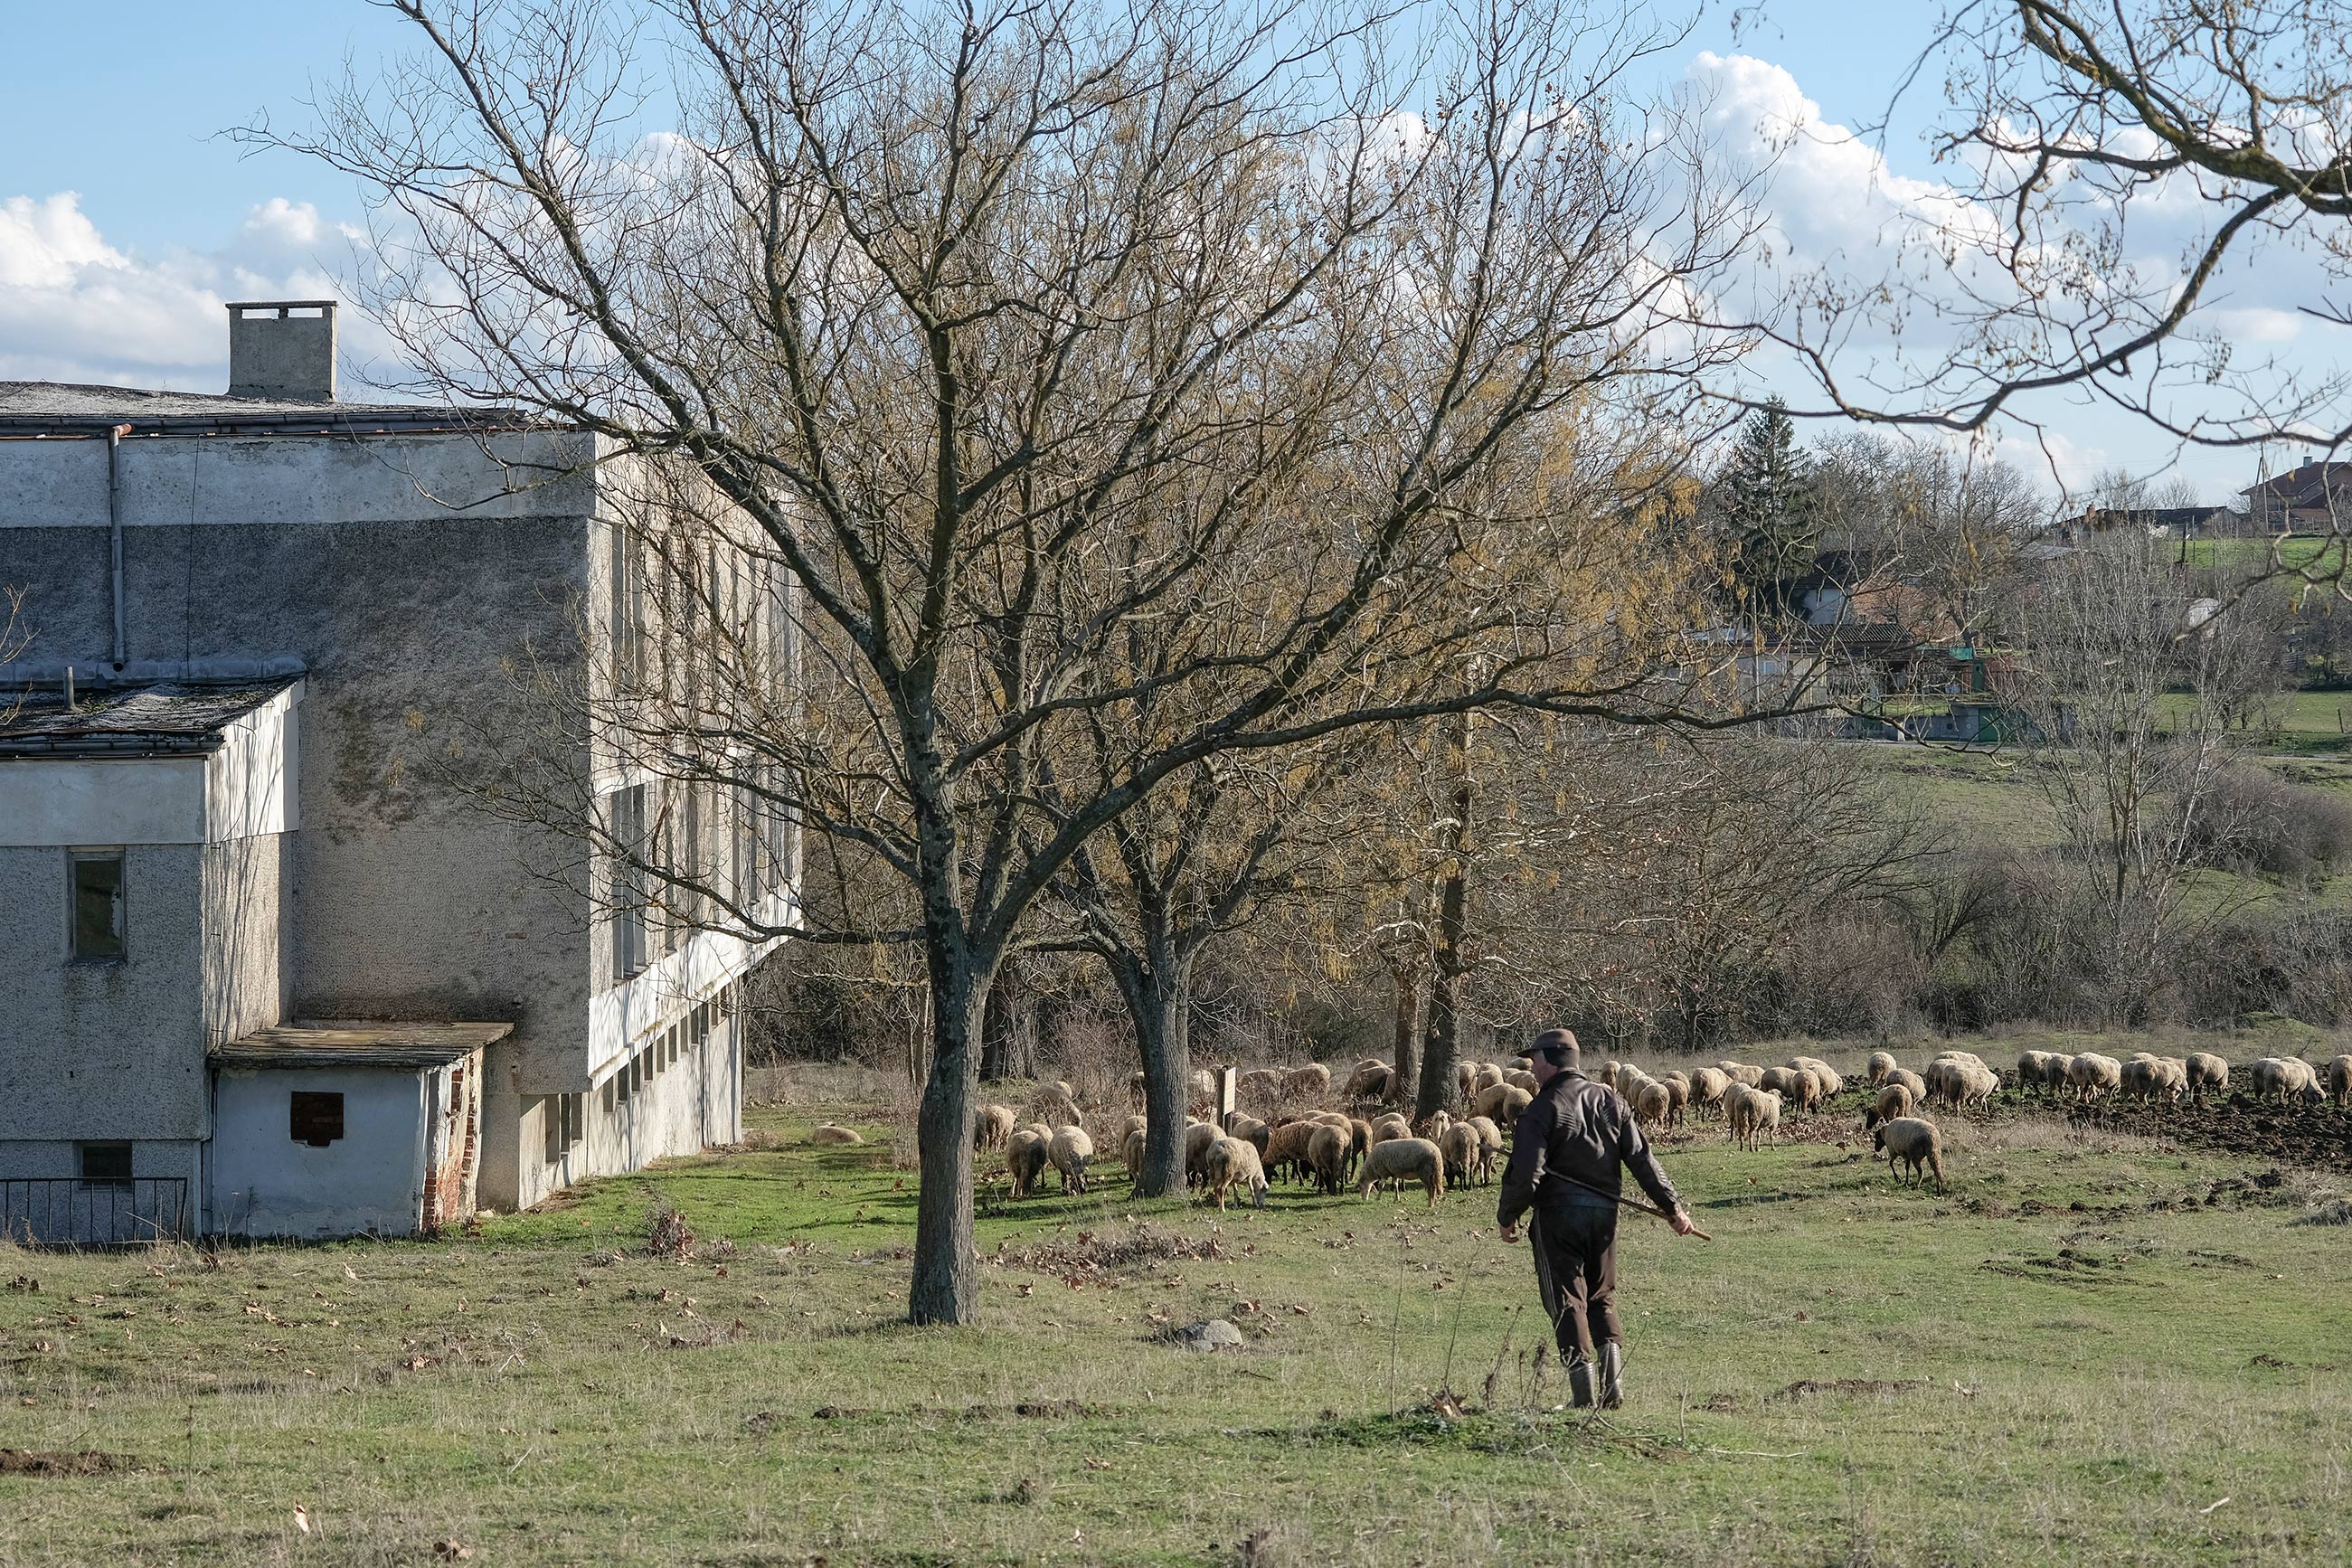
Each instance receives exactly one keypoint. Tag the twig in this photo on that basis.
(1396, 1323)
(1446, 1380)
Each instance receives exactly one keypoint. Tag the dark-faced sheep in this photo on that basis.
(1915, 1143)
(1403, 1160)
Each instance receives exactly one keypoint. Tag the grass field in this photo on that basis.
(2075, 1355)
(2311, 553)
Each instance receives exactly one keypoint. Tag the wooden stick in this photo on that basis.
(1625, 1202)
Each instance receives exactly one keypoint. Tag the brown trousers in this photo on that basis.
(1576, 1270)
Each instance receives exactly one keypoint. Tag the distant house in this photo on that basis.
(2315, 498)
(2156, 521)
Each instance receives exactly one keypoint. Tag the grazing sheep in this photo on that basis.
(2339, 1081)
(1057, 1107)
(1833, 1083)
(1751, 1114)
(2206, 1071)
(1678, 1093)
(1912, 1081)
(1807, 1089)
(1312, 1081)
(1458, 1145)
(1024, 1157)
(2285, 1079)
(990, 1126)
(1402, 1160)
(1893, 1102)
(1916, 1144)
(1501, 1103)
(2090, 1075)
(1131, 1148)
(829, 1133)
(1369, 1081)
(1231, 1163)
(1881, 1063)
(1970, 1057)
(1490, 1146)
(1652, 1104)
(2041, 1069)
(1286, 1148)
(1611, 1073)
(1741, 1073)
(2152, 1078)
(1136, 1123)
(1465, 1078)
(1248, 1129)
(1069, 1149)
(1387, 1127)
(1202, 1085)
(1198, 1136)
(1327, 1157)
(1708, 1085)
(1520, 1078)
(1262, 1085)
(1487, 1076)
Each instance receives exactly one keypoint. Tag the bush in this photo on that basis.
(2254, 820)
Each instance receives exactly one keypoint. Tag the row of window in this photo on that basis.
(566, 1113)
(649, 921)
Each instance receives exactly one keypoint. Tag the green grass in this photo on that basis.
(2300, 553)
(1997, 1375)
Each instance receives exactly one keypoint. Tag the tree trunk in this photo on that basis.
(1404, 1040)
(1008, 1030)
(1158, 998)
(946, 1287)
(1449, 958)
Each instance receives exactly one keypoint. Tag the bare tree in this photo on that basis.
(999, 328)
(2135, 682)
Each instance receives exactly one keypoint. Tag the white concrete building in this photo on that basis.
(273, 969)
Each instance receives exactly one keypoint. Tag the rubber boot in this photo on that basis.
(1580, 1384)
(1612, 1374)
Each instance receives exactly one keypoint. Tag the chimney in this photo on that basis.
(282, 348)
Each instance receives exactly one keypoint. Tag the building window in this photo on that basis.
(628, 627)
(105, 1164)
(565, 1114)
(313, 1118)
(630, 903)
(97, 913)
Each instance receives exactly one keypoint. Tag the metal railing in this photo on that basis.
(66, 1210)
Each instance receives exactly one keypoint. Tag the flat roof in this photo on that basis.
(29, 409)
(130, 718)
(353, 1043)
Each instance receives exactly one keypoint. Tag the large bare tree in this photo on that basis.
(997, 329)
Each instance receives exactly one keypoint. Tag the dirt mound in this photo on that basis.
(89, 1462)
(2295, 1135)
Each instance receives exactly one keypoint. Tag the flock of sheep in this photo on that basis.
(1304, 1135)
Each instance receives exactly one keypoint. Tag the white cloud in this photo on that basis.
(74, 308)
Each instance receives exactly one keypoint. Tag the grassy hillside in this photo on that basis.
(2092, 1350)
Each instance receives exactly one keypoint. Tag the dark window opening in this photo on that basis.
(314, 1117)
(566, 1116)
(96, 905)
(105, 1164)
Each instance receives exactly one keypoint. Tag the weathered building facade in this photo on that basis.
(289, 623)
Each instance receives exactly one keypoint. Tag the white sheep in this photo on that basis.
(1198, 1136)
(1708, 1085)
(1751, 1114)
(1893, 1102)
(2090, 1075)
(1490, 1146)
(1024, 1157)
(829, 1133)
(1069, 1149)
(1915, 1141)
(1741, 1073)
(1881, 1063)
(2206, 1071)
(1401, 1159)
(1912, 1081)
(1369, 1081)
(1458, 1145)
(1832, 1082)
(1312, 1081)
(1501, 1103)
(1327, 1153)
(1231, 1163)
(990, 1126)
(2339, 1080)
(1652, 1103)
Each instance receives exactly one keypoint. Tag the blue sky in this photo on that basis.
(125, 218)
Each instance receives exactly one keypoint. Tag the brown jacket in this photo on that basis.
(1578, 1128)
